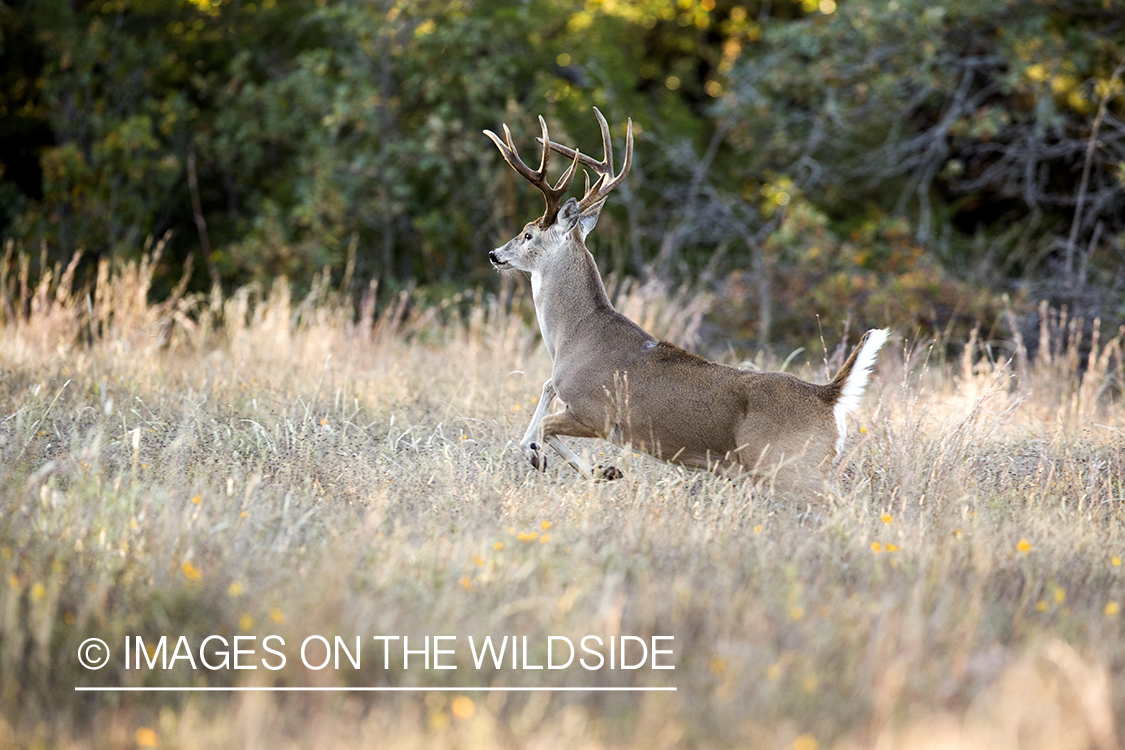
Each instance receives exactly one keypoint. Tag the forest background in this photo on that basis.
(924, 164)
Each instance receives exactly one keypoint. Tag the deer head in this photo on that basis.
(557, 225)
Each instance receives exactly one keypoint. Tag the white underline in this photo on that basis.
(370, 689)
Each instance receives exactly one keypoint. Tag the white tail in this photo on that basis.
(619, 383)
(856, 381)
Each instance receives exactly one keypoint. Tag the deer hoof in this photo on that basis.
(607, 473)
(537, 457)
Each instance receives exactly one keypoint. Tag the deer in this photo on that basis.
(619, 383)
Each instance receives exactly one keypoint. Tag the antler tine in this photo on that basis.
(546, 151)
(552, 194)
(583, 159)
(607, 143)
(508, 151)
(607, 180)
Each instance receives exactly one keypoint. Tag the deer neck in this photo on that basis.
(569, 297)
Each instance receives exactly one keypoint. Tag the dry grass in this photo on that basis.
(257, 465)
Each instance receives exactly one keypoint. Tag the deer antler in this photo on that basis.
(553, 195)
(606, 181)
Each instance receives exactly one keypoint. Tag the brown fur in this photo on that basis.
(619, 383)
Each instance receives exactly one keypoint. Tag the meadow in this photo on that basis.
(255, 464)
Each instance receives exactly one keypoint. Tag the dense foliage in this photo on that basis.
(870, 161)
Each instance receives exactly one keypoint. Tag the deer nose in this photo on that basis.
(493, 257)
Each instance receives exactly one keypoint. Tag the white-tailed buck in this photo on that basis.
(621, 384)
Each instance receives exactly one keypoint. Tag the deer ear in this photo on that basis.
(589, 218)
(569, 215)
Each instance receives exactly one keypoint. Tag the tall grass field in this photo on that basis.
(219, 470)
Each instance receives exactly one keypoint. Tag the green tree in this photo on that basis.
(973, 120)
(788, 153)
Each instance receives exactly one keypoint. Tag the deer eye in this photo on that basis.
(527, 236)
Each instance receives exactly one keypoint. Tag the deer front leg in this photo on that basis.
(564, 423)
(528, 445)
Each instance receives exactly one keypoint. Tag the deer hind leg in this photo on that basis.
(528, 445)
(564, 423)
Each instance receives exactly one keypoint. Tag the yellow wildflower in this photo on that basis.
(191, 572)
(805, 742)
(462, 707)
(146, 737)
